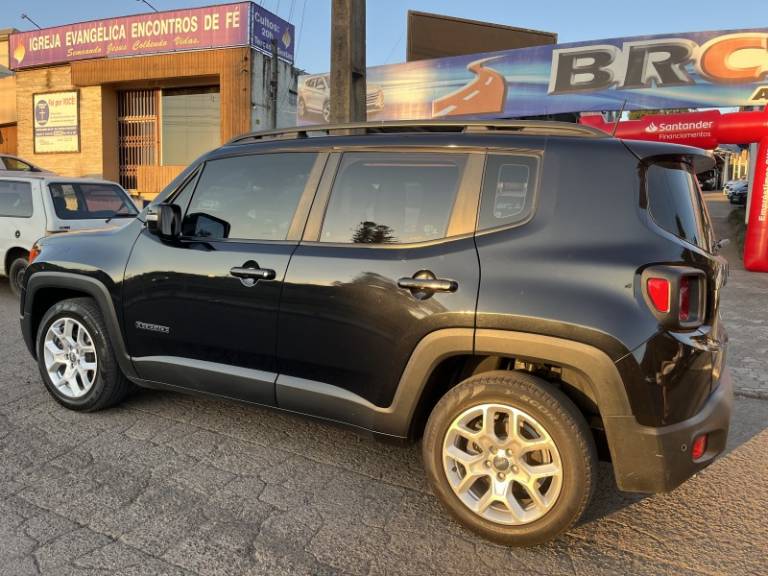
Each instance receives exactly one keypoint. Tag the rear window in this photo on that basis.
(674, 202)
(392, 198)
(86, 201)
(15, 199)
(508, 189)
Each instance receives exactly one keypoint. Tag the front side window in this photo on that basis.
(15, 199)
(392, 198)
(508, 189)
(674, 202)
(90, 201)
(248, 197)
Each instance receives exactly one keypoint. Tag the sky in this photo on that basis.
(572, 20)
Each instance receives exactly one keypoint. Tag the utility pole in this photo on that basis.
(348, 61)
(273, 92)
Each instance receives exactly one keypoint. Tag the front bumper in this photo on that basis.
(648, 459)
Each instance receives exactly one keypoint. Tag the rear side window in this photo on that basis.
(15, 199)
(392, 198)
(248, 197)
(508, 189)
(675, 203)
(17, 165)
(90, 201)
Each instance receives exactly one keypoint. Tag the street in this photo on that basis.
(175, 484)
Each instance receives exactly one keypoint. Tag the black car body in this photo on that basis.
(526, 247)
(737, 194)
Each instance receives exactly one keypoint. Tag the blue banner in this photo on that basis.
(689, 70)
(266, 29)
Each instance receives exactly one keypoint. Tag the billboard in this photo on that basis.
(57, 122)
(240, 24)
(689, 70)
(434, 36)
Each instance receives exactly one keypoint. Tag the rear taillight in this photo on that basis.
(684, 311)
(34, 252)
(658, 292)
(676, 295)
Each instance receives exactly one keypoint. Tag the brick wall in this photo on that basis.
(90, 160)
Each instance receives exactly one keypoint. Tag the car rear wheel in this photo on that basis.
(16, 274)
(75, 357)
(510, 457)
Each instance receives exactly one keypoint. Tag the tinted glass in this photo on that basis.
(674, 202)
(15, 164)
(392, 198)
(508, 189)
(76, 201)
(248, 197)
(15, 199)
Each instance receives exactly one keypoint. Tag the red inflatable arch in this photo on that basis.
(708, 130)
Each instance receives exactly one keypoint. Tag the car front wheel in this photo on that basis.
(75, 357)
(511, 457)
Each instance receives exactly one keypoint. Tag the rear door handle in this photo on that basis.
(424, 284)
(250, 273)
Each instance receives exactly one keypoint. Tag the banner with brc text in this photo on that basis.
(688, 70)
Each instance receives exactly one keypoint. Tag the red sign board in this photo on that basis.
(175, 30)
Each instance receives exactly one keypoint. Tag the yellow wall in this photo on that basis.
(90, 160)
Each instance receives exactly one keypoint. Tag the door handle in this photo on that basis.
(250, 273)
(255, 273)
(424, 284)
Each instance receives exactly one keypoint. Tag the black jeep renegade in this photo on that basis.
(521, 296)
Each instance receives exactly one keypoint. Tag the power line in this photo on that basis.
(290, 12)
(301, 32)
(392, 50)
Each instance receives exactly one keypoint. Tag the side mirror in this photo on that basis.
(164, 220)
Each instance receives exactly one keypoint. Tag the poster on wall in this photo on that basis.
(57, 122)
(720, 68)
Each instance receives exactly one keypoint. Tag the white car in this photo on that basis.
(10, 165)
(34, 205)
(315, 97)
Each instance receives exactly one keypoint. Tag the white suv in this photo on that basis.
(36, 205)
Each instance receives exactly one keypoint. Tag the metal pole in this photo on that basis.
(273, 84)
(348, 61)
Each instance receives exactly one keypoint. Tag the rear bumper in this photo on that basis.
(648, 459)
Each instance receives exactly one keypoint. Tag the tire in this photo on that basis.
(301, 108)
(546, 416)
(16, 274)
(327, 111)
(108, 386)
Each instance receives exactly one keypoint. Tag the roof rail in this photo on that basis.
(541, 127)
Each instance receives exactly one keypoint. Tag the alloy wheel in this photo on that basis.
(70, 357)
(502, 464)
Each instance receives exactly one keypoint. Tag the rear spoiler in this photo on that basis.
(701, 160)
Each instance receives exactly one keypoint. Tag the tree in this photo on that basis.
(372, 233)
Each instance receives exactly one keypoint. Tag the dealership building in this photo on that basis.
(135, 99)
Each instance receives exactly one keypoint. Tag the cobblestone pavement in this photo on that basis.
(747, 322)
(169, 484)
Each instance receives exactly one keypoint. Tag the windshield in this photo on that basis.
(90, 201)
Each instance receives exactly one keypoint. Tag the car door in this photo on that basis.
(22, 220)
(201, 311)
(388, 257)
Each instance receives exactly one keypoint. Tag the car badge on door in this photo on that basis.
(152, 327)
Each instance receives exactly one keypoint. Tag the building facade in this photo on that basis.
(140, 115)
